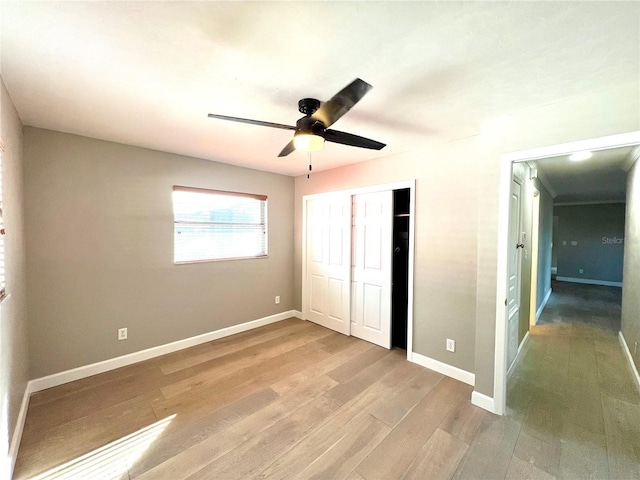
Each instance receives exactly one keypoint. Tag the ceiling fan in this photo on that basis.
(312, 130)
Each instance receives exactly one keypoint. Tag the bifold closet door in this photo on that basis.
(326, 289)
(372, 242)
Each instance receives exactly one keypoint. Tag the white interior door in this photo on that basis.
(326, 295)
(372, 232)
(514, 269)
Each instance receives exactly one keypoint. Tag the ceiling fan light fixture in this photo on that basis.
(308, 141)
(579, 156)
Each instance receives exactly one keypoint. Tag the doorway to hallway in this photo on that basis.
(497, 404)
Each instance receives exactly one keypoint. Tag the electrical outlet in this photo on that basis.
(277, 299)
(122, 334)
(580, 270)
(451, 345)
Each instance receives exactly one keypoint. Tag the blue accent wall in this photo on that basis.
(591, 239)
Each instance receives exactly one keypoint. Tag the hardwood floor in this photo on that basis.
(294, 400)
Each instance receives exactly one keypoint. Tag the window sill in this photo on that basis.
(189, 262)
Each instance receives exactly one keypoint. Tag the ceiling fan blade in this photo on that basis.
(353, 140)
(252, 122)
(330, 111)
(290, 147)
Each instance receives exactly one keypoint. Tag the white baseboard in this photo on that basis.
(543, 304)
(523, 343)
(297, 314)
(483, 401)
(131, 358)
(444, 368)
(589, 281)
(627, 354)
(17, 432)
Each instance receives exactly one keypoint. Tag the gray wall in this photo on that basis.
(99, 231)
(591, 226)
(631, 291)
(14, 358)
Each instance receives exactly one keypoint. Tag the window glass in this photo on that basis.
(216, 225)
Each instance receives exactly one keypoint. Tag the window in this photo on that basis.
(216, 225)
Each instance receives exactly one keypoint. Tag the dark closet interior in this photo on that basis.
(400, 269)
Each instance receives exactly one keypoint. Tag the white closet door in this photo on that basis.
(372, 237)
(326, 296)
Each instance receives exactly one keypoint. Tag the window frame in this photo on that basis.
(263, 224)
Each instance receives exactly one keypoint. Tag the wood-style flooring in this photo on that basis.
(294, 400)
(573, 393)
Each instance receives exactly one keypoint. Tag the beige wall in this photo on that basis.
(14, 359)
(99, 230)
(631, 273)
(457, 224)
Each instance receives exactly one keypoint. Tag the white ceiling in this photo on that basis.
(147, 73)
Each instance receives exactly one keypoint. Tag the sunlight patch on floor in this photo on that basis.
(111, 461)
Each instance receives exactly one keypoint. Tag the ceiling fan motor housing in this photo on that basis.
(308, 106)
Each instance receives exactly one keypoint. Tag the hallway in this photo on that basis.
(572, 390)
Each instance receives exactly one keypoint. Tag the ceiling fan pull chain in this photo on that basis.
(309, 164)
